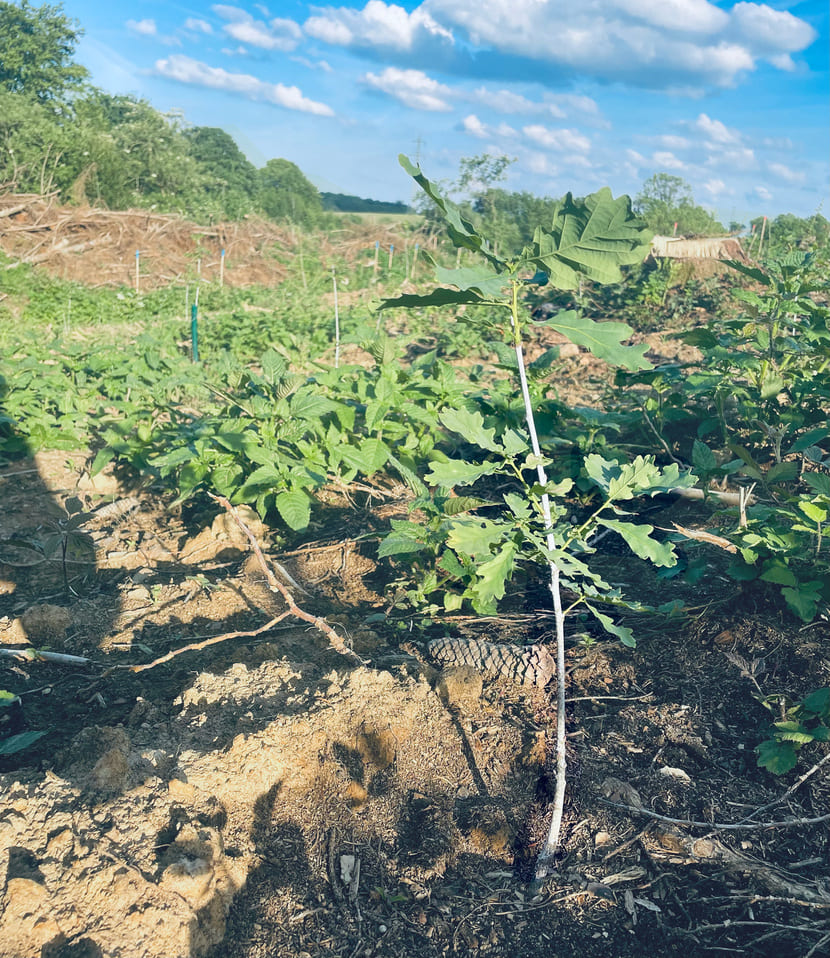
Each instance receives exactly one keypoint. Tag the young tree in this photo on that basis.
(36, 49)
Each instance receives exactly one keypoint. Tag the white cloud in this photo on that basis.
(672, 142)
(762, 193)
(505, 101)
(668, 161)
(378, 24)
(540, 164)
(186, 70)
(770, 31)
(688, 45)
(146, 28)
(714, 188)
(197, 26)
(277, 34)
(413, 88)
(472, 125)
(739, 158)
(686, 16)
(555, 105)
(564, 141)
(785, 173)
(313, 64)
(716, 132)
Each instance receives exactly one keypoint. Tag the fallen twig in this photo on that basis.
(214, 640)
(718, 826)
(276, 586)
(793, 788)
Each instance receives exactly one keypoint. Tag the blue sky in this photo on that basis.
(733, 97)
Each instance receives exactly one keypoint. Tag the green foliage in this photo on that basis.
(36, 49)
(804, 722)
(755, 408)
(273, 439)
(469, 548)
(787, 233)
(665, 200)
(346, 203)
(284, 193)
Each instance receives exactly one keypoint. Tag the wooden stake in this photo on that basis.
(391, 253)
(137, 268)
(222, 270)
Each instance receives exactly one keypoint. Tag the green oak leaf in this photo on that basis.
(604, 340)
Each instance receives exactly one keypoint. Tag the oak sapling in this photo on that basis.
(589, 238)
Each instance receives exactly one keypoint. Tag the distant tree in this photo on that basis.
(285, 193)
(229, 178)
(347, 203)
(789, 232)
(665, 199)
(36, 49)
(32, 144)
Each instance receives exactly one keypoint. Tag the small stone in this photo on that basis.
(601, 838)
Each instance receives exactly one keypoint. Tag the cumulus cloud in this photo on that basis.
(186, 70)
(688, 16)
(146, 28)
(276, 34)
(762, 193)
(785, 173)
(666, 160)
(313, 64)
(413, 88)
(378, 24)
(563, 141)
(715, 132)
(687, 46)
(197, 26)
(555, 105)
(714, 188)
(472, 125)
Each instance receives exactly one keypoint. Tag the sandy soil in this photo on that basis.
(267, 795)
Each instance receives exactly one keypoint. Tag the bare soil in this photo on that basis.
(266, 795)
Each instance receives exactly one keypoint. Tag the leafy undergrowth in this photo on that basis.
(360, 798)
(272, 760)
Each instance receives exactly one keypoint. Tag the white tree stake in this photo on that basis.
(336, 322)
(552, 843)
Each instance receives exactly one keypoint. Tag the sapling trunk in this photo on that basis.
(552, 843)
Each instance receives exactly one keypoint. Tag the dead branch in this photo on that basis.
(276, 586)
(214, 640)
(718, 826)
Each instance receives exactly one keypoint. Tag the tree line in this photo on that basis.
(59, 134)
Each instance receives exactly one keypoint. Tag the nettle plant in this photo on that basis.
(591, 238)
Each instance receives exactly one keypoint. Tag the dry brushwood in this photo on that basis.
(528, 665)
